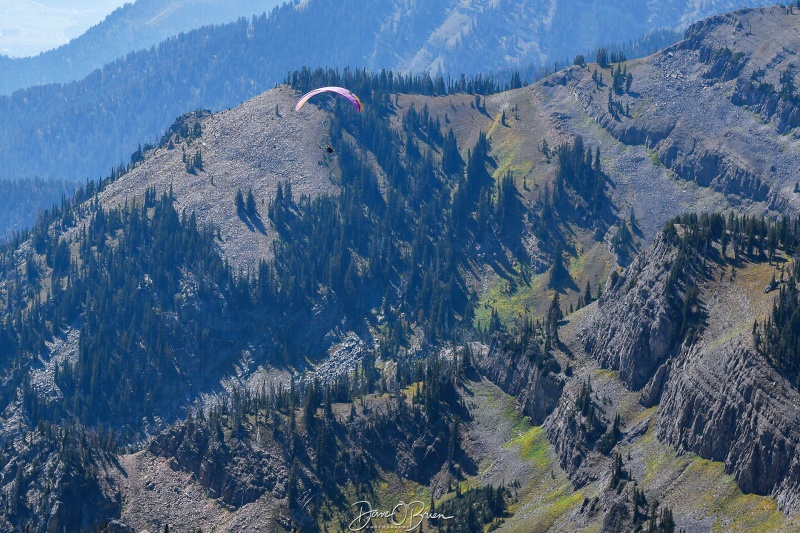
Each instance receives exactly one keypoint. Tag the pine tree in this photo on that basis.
(292, 488)
(554, 316)
(251, 209)
(451, 159)
(287, 192)
(558, 271)
(239, 202)
(602, 58)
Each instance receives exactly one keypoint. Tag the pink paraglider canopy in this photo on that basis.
(352, 98)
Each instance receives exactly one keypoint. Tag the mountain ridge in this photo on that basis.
(179, 75)
(129, 28)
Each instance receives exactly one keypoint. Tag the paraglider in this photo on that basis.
(328, 148)
(352, 98)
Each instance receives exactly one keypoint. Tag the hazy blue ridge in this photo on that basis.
(134, 26)
(83, 128)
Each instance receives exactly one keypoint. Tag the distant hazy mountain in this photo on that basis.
(21, 201)
(471, 36)
(30, 28)
(451, 35)
(131, 27)
(83, 128)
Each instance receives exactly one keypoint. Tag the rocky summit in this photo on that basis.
(565, 306)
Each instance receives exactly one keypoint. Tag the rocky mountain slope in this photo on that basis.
(436, 296)
(716, 395)
(249, 148)
(97, 121)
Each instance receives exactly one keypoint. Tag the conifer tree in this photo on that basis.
(239, 202)
(250, 206)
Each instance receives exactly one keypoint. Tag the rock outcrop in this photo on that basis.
(728, 404)
(571, 439)
(229, 468)
(536, 387)
(719, 398)
(632, 328)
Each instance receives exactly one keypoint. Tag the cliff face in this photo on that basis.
(53, 486)
(728, 47)
(632, 328)
(727, 404)
(573, 440)
(230, 470)
(718, 397)
(537, 390)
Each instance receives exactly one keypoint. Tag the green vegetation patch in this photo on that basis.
(533, 446)
(546, 503)
(506, 144)
(511, 297)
